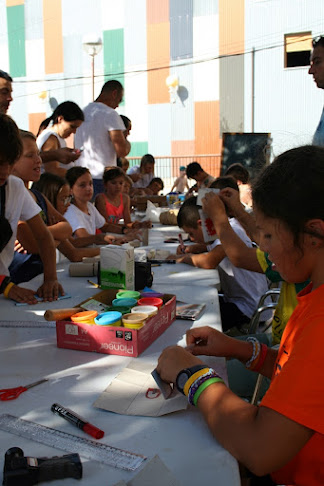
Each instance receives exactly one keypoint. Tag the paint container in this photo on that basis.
(128, 294)
(150, 310)
(119, 308)
(157, 302)
(124, 302)
(85, 317)
(112, 318)
(134, 321)
(151, 293)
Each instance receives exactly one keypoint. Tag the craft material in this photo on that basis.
(93, 283)
(117, 267)
(182, 245)
(189, 312)
(19, 470)
(156, 301)
(85, 317)
(129, 302)
(110, 318)
(89, 449)
(60, 314)
(128, 294)
(153, 261)
(165, 387)
(40, 299)
(150, 310)
(13, 393)
(77, 421)
(122, 309)
(134, 321)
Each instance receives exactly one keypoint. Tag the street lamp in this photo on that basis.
(92, 44)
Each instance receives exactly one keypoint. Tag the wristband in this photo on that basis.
(203, 387)
(7, 289)
(262, 356)
(192, 379)
(194, 387)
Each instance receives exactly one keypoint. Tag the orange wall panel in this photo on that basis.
(207, 137)
(158, 58)
(13, 3)
(231, 26)
(53, 40)
(182, 147)
(157, 11)
(34, 120)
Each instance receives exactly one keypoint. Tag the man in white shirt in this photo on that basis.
(102, 134)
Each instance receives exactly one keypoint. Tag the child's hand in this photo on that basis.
(174, 359)
(214, 207)
(181, 249)
(231, 198)
(210, 342)
(50, 290)
(19, 294)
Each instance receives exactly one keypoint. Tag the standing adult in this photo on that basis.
(5, 91)
(102, 134)
(317, 70)
(64, 155)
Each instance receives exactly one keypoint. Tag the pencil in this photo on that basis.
(93, 283)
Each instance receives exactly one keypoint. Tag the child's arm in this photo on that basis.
(207, 260)
(76, 254)
(232, 200)
(57, 224)
(196, 248)
(126, 213)
(236, 250)
(51, 288)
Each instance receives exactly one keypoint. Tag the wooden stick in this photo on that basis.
(60, 314)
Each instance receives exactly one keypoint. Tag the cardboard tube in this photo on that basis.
(60, 314)
(83, 269)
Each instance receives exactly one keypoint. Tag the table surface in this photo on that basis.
(77, 378)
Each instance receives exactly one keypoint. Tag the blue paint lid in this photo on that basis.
(126, 302)
(108, 318)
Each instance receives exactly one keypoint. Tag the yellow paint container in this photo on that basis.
(134, 320)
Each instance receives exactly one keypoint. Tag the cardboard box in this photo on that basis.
(117, 267)
(115, 340)
(141, 201)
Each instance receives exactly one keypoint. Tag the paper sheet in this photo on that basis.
(134, 392)
(155, 472)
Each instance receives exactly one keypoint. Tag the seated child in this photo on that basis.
(58, 192)
(17, 204)
(242, 177)
(241, 288)
(142, 174)
(114, 204)
(27, 263)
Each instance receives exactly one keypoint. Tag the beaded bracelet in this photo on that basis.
(261, 359)
(193, 378)
(7, 290)
(256, 351)
(203, 387)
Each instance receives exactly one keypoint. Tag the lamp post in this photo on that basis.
(92, 44)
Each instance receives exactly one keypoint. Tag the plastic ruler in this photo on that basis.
(87, 448)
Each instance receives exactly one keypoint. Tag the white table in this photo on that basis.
(182, 440)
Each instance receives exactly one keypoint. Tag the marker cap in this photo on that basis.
(93, 431)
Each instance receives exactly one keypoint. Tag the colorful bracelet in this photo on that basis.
(256, 351)
(203, 387)
(193, 378)
(4, 280)
(262, 356)
(199, 381)
(7, 289)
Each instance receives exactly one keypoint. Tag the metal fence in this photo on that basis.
(168, 167)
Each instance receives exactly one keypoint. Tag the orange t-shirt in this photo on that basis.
(297, 386)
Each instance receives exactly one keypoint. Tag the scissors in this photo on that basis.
(13, 393)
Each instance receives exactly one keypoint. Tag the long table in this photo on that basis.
(76, 379)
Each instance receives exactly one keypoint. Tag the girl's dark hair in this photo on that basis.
(112, 173)
(291, 188)
(10, 142)
(224, 181)
(50, 185)
(68, 109)
(73, 174)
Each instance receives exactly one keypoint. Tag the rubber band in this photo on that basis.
(203, 387)
(255, 352)
(192, 379)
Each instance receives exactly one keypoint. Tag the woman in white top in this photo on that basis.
(66, 118)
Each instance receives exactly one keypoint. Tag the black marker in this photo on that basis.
(78, 421)
(161, 261)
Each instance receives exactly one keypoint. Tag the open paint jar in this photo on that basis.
(85, 317)
(156, 301)
(112, 318)
(125, 294)
(150, 310)
(134, 320)
(129, 302)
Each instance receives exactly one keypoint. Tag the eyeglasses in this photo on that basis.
(318, 40)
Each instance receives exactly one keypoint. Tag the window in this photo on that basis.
(297, 49)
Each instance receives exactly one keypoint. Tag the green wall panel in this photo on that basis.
(16, 40)
(113, 55)
(138, 149)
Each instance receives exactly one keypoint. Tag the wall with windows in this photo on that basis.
(230, 57)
